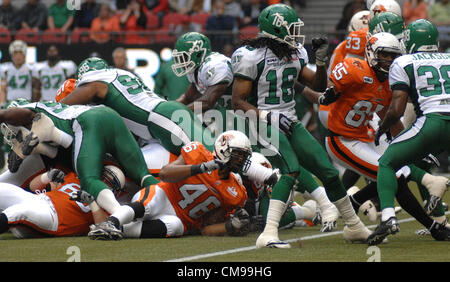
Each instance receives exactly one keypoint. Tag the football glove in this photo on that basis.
(329, 96)
(14, 161)
(56, 175)
(280, 121)
(320, 47)
(238, 224)
(82, 197)
(211, 165)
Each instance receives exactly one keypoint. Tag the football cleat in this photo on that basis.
(423, 232)
(105, 231)
(329, 214)
(385, 228)
(356, 233)
(267, 241)
(440, 232)
(437, 188)
(328, 226)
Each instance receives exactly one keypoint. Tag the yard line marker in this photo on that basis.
(250, 248)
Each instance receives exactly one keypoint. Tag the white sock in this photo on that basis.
(320, 196)
(132, 229)
(124, 214)
(107, 201)
(276, 210)
(348, 214)
(387, 213)
(299, 211)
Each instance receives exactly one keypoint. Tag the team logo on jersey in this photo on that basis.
(368, 80)
(232, 191)
(272, 61)
(210, 73)
(358, 64)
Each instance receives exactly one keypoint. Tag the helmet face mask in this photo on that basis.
(190, 51)
(233, 148)
(381, 49)
(280, 22)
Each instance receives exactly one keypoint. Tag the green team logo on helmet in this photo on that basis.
(190, 51)
(386, 22)
(420, 36)
(90, 64)
(282, 23)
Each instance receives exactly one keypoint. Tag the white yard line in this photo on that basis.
(244, 249)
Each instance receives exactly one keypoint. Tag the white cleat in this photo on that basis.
(267, 241)
(330, 214)
(356, 233)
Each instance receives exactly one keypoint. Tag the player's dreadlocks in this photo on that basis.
(280, 49)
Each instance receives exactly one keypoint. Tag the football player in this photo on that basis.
(16, 75)
(196, 183)
(88, 130)
(265, 70)
(211, 80)
(421, 75)
(145, 114)
(365, 92)
(50, 74)
(51, 211)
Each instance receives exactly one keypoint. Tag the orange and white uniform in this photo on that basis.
(351, 142)
(51, 213)
(181, 205)
(352, 47)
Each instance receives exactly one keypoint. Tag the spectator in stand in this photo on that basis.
(413, 10)
(103, 25)
(232, 8)
(186, 26)
(439, 13)
(8, 15)
(133, 18)
(219, 26)
(202, 6)
(159, 8)
(59, 16)
(33, 15)
(88, 12)
(181, 6)
(120, 60)
(251, 12)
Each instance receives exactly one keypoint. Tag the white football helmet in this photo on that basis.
(382, 41)
(359, 21)
(381, 6)
(233, 148)
(113, 177)
(18, 46)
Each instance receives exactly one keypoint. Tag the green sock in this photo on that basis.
(416, 174)
(282, 189)
(306, 181)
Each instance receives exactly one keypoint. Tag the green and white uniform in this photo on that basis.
(425, 76)
(147, 115)
(273, 90)
(51, 78)
(18, 80)
(96, 130)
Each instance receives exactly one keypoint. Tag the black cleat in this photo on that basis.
(385, 228)
(440, 232)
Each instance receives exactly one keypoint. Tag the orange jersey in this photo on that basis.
(74, 218)
(362, 96)
(353, 46)
(201, 193)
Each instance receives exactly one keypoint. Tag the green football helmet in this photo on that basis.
(420, 36)
(386, 22)
(282, 23)
(190, 51)
(90, 64)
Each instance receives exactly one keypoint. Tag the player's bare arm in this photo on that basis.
(316, 80)
(212, 94)
(35, 89)
(241, 89)
(175, 171)
(190, 95)
(86, 93)
(395, 110)
(17, 116)
(3, 86)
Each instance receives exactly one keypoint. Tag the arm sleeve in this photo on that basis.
(398, 77)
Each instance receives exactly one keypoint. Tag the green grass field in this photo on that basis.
(315, 246)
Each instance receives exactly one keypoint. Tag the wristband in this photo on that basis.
(196, 169)
(45, 179)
